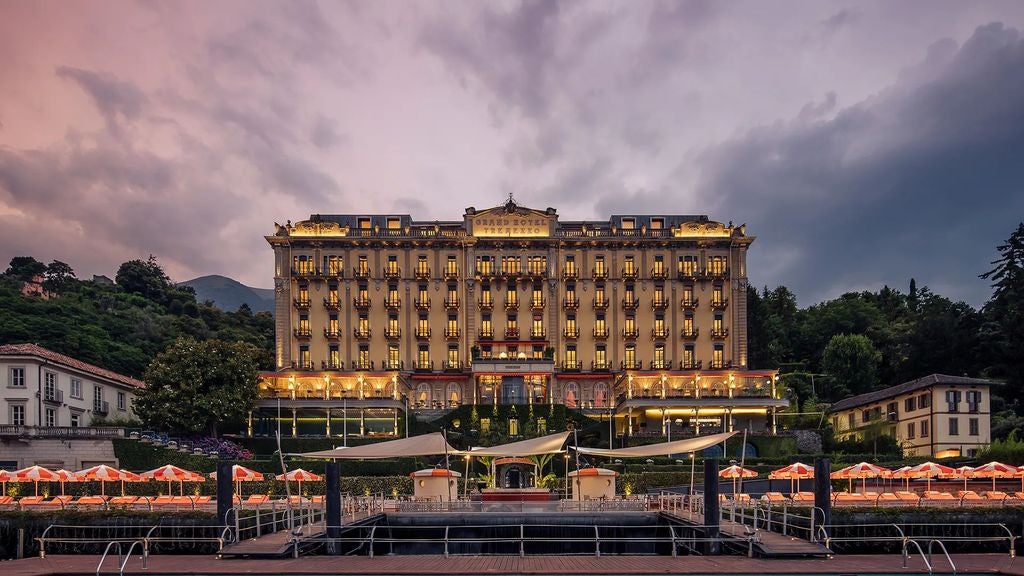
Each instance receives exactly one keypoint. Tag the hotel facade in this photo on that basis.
(639, 320)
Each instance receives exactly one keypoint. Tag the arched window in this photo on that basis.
(572, 395)
(454, 394)
(601, 395)
(423, 395)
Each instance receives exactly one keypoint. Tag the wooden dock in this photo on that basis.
(766, 544)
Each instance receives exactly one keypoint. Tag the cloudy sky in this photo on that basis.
(864, 143)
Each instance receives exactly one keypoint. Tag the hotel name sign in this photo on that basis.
(501, 224)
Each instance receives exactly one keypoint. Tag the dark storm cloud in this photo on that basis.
(116, 100)
(922, 180)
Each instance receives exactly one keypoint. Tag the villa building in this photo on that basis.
(639, 319)
(937, 416)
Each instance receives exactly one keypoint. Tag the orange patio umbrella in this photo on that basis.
(5, 477)
(34, 474)
(103, 474)
(862, 470)
(300, 476)
(241, 474)
(995, 470)
(736, 472)
(902, 474)
(65, 476)
(962, 473)
(171, 473)
(796, 471)
(929, 470)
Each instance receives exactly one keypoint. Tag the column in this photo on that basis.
(362, 421)
(295, 422)
(328, 422)
(249, 425)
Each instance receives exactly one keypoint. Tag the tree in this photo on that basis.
(59, 277)
(852, 361)
(25, 268)
(145, 278)
(196, 386)
(1003, 328)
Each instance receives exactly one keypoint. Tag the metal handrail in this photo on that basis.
(944, 552)
(919, 551)
(107, 551)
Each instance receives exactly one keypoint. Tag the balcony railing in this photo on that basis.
(422, 303)
(361, 333)
(361, 302)
(452, 365)
(60, 431)
(630, 332)
(392, 365)
(661, 365)
(599, 274)
(538, 333)
(362, 364)
(451, 273)
(332, 365)
(392, 272)
(392, 302)
(572, 365)
(332, 333)
(571, 303)
(719, 303)
(571, 332)
(305, 272)
(600, 332)
(717, 272)
(511, 333)
(720, 364)
(451, 303)
(424, 365)
(301, 303)
(688, 272)
(302, 333)
(659, 303)
(570, 273)
(537, 271)
(422, 273)
(487, 304)
(659, 273)
(690, 303)
(600, 366)
(537, 303)
(719, 333)
(361, 272)
(452, 333)
(630, 303)
(101, 407)
(332, 303)
(512, 304)
(690, 365)
(635, 365)
(304, 365)
(659, 333)
(690, 333)
(600, 304)
(422, 332)
(485, 272)
(392, 332)
(511, 272)
(335, 272)
(486, 334)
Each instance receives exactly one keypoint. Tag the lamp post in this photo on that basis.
(611, 428)
(693, 461)
(566, 457)
(344, 421)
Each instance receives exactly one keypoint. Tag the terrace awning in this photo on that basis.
(549, 444)
(425, 445)
(662, 449)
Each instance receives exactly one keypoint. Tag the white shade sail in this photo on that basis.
(425, 445)
(663, 449)
(549, 444)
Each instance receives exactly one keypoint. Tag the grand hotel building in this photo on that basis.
(639, 319)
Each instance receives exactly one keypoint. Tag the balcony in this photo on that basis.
(512, 333)
(422, 303)
(424, 365)
(536, 303)
(601, 332)
(537, 271)
(719, 333)
(332, 365)
(486, 334)
(301, 303)
(392, 332)
(630, 273)
(719, 303)
(361, 302)
(690, 333)
(361, 333)
(392, 302)
(511, 273)
(485, 272)
(600, 366)
(634, 365)
(661, 364)
(599, 273)
(423, 333)
(305, 272)
(571, 303)
(630, 303)
(630, 332)
(362, 364)
(600, 303)
(452, 333)
(690, 365)
(100, 407)
(571, 332)
(659, 303)
(361, 273)
(659, 273)
(332, 333)
(717, 272)
(451, 303)
(452, 366)
(392, 365)
(335, 273)
(451, 273)
(688, 273)
(538, 333)
(302, 332)
(720, 365)
(422, 273)
(487, 304)
(571, 365)
(659, 333)
(392, 272)
(690, 303)
(512, 304)
(304, 365)
(332, 303)
(570, 273)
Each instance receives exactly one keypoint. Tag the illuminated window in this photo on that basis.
(333, 265)
(364, 265)
(394, 223)
(513, 427)
(364, 223)
(628, 223)
(485, 424)
(657, 223)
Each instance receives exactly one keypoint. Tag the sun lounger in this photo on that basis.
(996, 496)
(31, 501)
(908, 497)
(775, 498)
(935, 498)
(804, 497)
(201, 500)
(257, 499)
(849, 499)
(89, 501)
(123, 500)
(162, 501)
(888, 499)
(318, 499)
(182, 501)
(6, 500)
(971, 498)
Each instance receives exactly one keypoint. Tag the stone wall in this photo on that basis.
(53, 453)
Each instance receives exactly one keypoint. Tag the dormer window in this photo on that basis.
(394, 223)
(629, 223)
(364, 224)
(657, 223)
